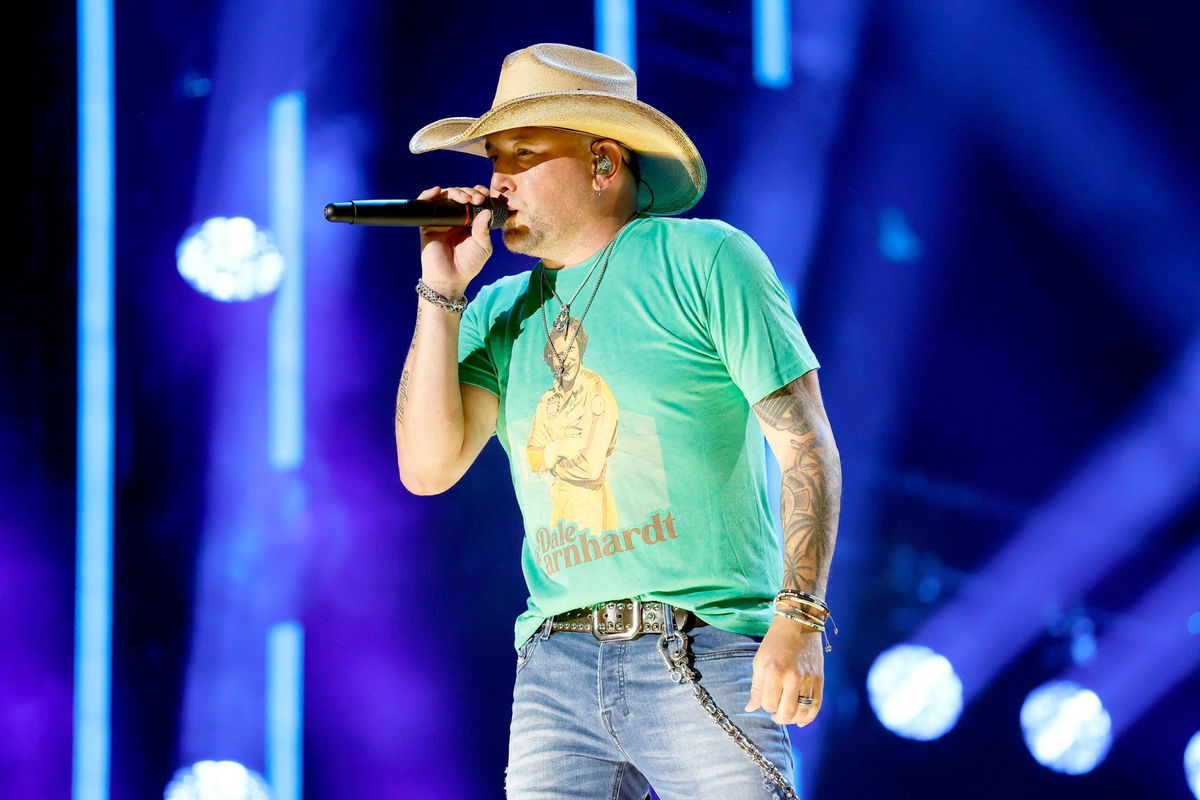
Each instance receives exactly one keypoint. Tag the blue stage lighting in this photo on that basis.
(772, 43)
(1066, 727)
(616, 30)
(230, 259)
(285, 709)
(216, 780)
(194, 85)
(915, 692)
(897, 240)
(1083, 641)
(96, 395)
(1191, 764)
(286, 431)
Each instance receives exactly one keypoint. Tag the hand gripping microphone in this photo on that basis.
(431, 213)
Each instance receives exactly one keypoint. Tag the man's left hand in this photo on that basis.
(790, 664)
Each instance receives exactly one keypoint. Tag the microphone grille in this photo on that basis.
(499, 210)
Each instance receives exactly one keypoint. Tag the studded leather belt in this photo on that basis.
(624, 620)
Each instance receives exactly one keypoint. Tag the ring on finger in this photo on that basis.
(804, 701)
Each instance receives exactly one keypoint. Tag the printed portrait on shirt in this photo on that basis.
(573, 434)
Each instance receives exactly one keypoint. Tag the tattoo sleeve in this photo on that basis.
(812, 486)
(402, 390)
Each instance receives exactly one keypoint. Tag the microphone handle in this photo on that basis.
(431, 213)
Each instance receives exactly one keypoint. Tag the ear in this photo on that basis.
(606, 163)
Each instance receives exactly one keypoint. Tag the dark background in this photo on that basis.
(987, 214)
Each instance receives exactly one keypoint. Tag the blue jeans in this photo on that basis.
(603, 721)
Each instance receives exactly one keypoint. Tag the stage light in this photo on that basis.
(616, 30)
(216, 780)
(230, 259)
(772, 21)
(1155, 455)
(285, 709)
(286, 337)
(95, 404)
(1066, 727)
(915, 692)
(1083, 641)
(897, 240)
(193, 85)
(1191, 764)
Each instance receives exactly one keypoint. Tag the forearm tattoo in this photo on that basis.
(812, 487)
(402, 390)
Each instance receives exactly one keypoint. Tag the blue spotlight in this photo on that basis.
(193, 85)
(772, 43)
(230, 260)
(1191, 764)
(285, 709)
(915, 692)
(1083, 641)
(1066, 727)
(897, 240)
(95, 403)
(616, 30)
(216, 780)
(286, 432)
(1155, 455)
(1128, 687)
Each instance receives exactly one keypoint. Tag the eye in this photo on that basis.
(523, 151)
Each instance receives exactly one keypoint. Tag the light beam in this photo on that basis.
(616, 30)
(1125, 491)
(95, 419)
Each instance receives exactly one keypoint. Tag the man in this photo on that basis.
(687, 595)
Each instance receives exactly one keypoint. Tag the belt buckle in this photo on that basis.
(634, 631)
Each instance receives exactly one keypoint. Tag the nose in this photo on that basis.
(501, 183)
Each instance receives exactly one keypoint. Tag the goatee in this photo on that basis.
(522, 240)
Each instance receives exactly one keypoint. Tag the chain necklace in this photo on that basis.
(564, 313)
(561, 321)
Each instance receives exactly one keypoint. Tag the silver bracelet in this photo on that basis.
(453, 306)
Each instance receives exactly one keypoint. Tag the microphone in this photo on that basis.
(432, 213)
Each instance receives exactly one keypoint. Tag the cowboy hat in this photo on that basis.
(560, 86)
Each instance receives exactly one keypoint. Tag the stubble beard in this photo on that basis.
(537, 234)
(525, 239)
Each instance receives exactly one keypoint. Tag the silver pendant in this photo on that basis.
(564, 313)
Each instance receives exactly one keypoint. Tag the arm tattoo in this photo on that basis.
(402, 391)
(402, 396)
(812, 487)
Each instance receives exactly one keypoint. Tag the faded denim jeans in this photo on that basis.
(603, 721)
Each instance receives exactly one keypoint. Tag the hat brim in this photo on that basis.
(668, 160)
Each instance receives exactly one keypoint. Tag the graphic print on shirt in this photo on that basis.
(572, 441)
(574, 432)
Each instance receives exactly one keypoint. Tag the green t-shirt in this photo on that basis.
(643, 474)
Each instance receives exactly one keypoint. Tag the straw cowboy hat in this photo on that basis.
(560, 86)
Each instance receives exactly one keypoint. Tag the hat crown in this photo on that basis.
(562, 68)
